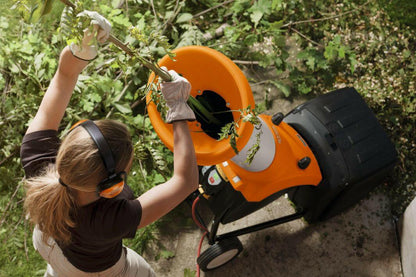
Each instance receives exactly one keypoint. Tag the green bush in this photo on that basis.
(402, 10)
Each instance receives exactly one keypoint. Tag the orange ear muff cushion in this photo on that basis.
(113, 191)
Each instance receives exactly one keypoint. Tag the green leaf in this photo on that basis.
(285, 89)
(88, 106)
(158, 179)
(353, 62)
(276, 25)
(125, 108)
(40, 73)
(26, 47)
(255, 17)
(311, 62)
(46, 7)
(184, 17)
(2, 82)
(255, 147)
(406, 53)
(262, 6)
(14, 68)
(38, 60)
(277, 5)
(115, 3)
(3, 23)
(166, 254)
(40, 272)
(341, 52)
(189, 273)
(250, 39)
(304, 88)
(121, 20)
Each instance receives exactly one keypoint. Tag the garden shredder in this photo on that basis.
(326, 154)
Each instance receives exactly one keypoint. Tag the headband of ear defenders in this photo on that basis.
(102, 145)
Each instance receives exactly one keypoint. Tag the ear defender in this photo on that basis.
(113, 185)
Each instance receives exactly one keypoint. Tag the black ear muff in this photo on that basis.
(114, 183)
(112, 186)
(111, 181)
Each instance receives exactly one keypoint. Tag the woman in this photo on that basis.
(80, 204)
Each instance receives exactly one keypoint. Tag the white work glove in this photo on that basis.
(88, 49)
(176, 93)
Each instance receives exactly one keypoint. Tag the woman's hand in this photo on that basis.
(99, 32)
(176, 93)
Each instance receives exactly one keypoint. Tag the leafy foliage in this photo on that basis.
(402, 10)
(312, 47)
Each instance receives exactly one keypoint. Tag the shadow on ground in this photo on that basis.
(359, 242)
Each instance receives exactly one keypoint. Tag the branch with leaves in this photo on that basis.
(69, 20)
(150, 65)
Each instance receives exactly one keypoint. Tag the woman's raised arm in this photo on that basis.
(72, 61)
(58, 94)
(159, 200)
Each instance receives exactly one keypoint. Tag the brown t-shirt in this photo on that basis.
(96, 241)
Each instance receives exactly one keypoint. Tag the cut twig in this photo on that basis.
(137, 102)
(156, 69)
(305, 37)
(18, 223)
(121, 4)
(261, 83)
(324, 18)
(123, 92)
(245, 62)
(219, 32)
(213, 8)
(25, 242)
(153, 9)
(14, 152)
(175, 13)
(144, 173)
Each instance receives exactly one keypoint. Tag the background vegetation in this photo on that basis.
(312, 46)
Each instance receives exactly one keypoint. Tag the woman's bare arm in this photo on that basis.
(58, 94)
(72, 61)
(161, 199)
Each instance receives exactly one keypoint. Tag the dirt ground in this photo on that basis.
(360, 242)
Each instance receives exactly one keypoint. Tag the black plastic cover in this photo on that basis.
(349, 143)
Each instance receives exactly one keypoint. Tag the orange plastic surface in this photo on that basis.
(207, 69)
(283, 171)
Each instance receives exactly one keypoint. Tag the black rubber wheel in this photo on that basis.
(219, 253)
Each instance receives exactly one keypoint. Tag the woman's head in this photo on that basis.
(79, 161)
(80, 167)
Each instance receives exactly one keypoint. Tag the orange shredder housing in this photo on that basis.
(207, 69)
(282, 173)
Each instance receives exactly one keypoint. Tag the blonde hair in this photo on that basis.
(80, 166)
